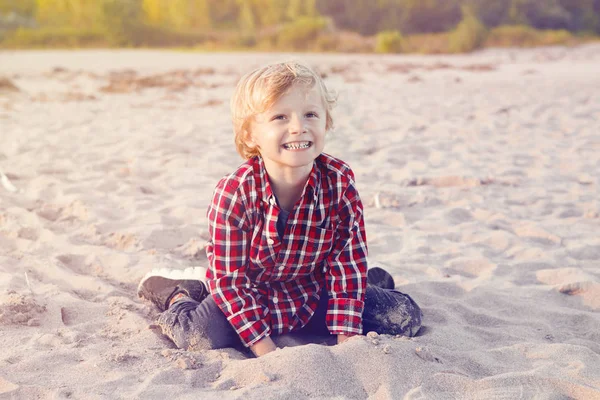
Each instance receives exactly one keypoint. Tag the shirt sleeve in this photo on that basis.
(347, 268)
(227, 251)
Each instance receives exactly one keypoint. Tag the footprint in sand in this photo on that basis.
(471, 267)
(76, 262)
(458, 216)
(573, 282)
(589, 292)
(425, 354)
(29, 233)
(585, 253)
(539, 235)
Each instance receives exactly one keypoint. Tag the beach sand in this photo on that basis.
(480, 176)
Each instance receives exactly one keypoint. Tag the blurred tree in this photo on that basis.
(19, 7)
(596, 11)
(121, 21)
(295, 9)
(547, 15)
(583, 13)
(52, 12)
(300, 8)
(256, 20)
(247, 21)
(73, 13)
(420, 16)
(200, 16)
(389, 42)
(516, 13)
(491, 12)
(224, 12)
(268, 12)
(154, 11)
(364, 16)
(310, 8)
(470, 33)
(178, 14)
(301, 33)
(390, 15)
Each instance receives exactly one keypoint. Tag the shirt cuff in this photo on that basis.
(249, 331)
(344, 316)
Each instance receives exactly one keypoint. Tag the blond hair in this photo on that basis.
(258, 90)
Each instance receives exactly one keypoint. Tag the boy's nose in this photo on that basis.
(297, 125)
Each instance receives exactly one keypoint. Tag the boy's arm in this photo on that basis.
(263, 346)
(228, 249)
(347, 269)
(341, 338)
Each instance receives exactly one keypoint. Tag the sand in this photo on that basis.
(480, 176)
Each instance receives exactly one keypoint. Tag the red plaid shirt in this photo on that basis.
(265, 285)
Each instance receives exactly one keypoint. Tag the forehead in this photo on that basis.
(300, 93)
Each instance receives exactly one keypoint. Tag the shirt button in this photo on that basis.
(270, 241)
(275, 300)
(272, 201)
(282, 267)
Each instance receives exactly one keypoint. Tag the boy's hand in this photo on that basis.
(341, 338)
(263, 346)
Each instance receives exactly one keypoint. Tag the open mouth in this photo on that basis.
(297, 145)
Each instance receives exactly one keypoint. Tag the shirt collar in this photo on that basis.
(266, 192)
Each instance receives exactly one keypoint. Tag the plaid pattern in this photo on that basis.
(265, 285)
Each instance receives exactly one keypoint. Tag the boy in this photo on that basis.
(288, 248)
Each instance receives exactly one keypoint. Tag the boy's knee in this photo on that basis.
(197, 326)
(391, 312)
(414, 316)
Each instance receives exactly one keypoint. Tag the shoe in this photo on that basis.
(161, 284)
(379, 277)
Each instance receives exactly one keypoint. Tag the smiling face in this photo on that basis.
(291, 133)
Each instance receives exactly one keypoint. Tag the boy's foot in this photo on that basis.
(379, 277)
(162, 285)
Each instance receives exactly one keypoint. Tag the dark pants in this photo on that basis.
(201, 326)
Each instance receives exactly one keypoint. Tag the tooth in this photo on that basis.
(297, 146)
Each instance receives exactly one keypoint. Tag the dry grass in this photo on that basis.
(323, 41)
(524, 36)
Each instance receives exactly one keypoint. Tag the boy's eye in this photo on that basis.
(312, 115)
(278, 117)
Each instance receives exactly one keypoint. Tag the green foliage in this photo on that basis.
(187, 14)
(390, 42)
(294, 9)
(154, 12)
(516, 12)
(427, 43)
(223, 13)
(53, 37)
(301, 34)
(177, 14)
(71, 13)
(247, 20)
(469, 35)
(19, 7)
(121, 22)
(429, 26)
(346, 42)
(241, 41)
(13, 21)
